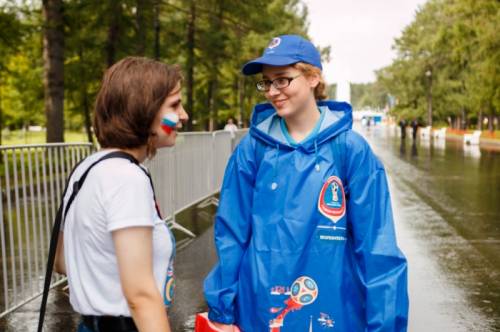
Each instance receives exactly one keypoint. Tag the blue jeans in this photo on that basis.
(83, 328)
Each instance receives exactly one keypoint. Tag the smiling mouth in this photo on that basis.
(279, 102)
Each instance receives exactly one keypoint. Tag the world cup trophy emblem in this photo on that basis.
(335, 195)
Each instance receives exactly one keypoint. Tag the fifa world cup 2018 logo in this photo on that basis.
(304, 291)
(335, 190)
(331, 200)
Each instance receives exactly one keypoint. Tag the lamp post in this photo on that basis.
(428, 74)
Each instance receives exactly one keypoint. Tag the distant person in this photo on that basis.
(414, 127)
(304, 229)
(231, 127)
(402, 125)
(114, 247)
(363, 121)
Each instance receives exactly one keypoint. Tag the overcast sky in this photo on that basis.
(360, 33)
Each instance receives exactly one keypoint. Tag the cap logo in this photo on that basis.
(274, 43)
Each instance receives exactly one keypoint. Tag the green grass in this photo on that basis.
(19, 137)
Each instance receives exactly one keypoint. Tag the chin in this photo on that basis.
(284, 112)
(170, 143)
(166, 143)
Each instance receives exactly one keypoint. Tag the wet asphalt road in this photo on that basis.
(454, 275)
(451, 243)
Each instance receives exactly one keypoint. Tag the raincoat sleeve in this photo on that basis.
(232, 232)
(381, 266)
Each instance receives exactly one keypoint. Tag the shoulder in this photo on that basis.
(245, 155)
(246, 147)
(119, 173)
(356, 143)
(359, 153)
(118, 168)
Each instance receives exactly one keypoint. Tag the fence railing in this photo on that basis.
(32, 179)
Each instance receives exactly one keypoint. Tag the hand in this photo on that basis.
(224, 327)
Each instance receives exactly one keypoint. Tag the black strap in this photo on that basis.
(60, 216)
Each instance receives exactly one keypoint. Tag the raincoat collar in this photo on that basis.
(340, 119)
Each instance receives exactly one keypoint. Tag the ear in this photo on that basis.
(313, 80)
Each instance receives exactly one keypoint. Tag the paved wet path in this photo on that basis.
(454, 273)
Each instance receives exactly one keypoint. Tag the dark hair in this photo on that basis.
(130, 97)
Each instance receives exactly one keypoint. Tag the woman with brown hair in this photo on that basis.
(114, 247)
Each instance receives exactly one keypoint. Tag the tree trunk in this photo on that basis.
(1, 113)
(190, 63)
(464, 120)
(206, 120)
(241, 102)
(85, 98)
(480, 120)
(214, 72)
(157, 28)
(140, 28)
(114, 12)
(211, 103)
(53, 58)
(429, 104)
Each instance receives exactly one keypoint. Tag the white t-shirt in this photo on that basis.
(231, 127)
(116, 194)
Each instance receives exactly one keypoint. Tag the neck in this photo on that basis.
(302, 123)
(138, 153)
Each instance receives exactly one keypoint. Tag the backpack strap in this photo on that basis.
(61, 215)
(339, 145)
(259, 151)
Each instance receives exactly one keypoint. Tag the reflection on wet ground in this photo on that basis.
(445, 201)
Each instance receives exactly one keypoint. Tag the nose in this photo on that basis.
(183, 116)
(273, 91)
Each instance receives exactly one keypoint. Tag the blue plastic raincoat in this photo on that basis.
(304, 233)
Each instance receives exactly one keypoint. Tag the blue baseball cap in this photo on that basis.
(283, 51)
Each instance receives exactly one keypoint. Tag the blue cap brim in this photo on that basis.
(255, 66)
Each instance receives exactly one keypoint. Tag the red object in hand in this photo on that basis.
(203, 324)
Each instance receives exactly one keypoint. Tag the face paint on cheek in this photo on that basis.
(169, 122)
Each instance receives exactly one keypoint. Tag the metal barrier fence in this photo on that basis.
(32, 180)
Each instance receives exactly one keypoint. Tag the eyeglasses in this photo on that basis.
(278, 83)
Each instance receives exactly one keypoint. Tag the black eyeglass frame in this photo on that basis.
(266, 84)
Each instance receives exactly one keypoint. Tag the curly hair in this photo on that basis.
(310, 70)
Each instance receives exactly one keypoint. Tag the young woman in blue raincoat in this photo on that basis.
(304, 231)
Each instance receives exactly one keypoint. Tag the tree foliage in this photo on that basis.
(209, 39)
(447, 64)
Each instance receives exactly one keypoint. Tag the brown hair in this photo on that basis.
(130, 97)
(310, 70)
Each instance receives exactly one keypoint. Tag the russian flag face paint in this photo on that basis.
(169, 122)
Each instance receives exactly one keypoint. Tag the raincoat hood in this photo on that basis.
(337, 119)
